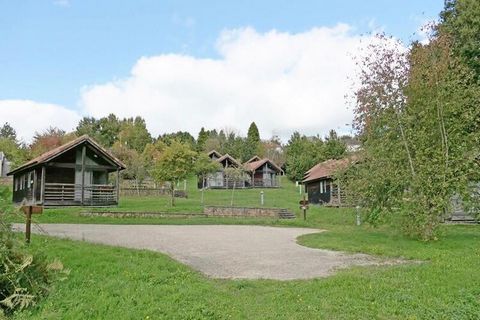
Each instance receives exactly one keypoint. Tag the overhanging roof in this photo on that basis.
(54, 153)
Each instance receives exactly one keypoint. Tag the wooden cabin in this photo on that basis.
(74, 174)
(219, 179)
(264, 173)
(320, 184)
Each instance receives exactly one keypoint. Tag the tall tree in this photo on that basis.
(7, 131)
(202, 139)
(302, 153)
(48, 140)
(335, 148)
(252, 143)
(204, 166)
(134, 134)
(175, 163)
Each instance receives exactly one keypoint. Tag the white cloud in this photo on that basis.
(28, 116)
(282, 81)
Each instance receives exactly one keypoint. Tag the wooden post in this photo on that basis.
(304, 208)
(28, 225)
(118, 184)
(42, 187)
(84, 152)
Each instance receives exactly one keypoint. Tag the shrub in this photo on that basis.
(24, 276)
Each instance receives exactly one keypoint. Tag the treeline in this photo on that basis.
(130, 141)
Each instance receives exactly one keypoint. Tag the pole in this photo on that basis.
(28, 226)
(261, 198)
(358, 216)
(84, 152)
(304, 208)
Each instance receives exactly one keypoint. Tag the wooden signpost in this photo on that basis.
(29, 210)
(304, 206)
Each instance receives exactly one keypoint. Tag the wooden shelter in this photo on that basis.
(320, 184)
(74, 174)
(219, 179)
(263, 173)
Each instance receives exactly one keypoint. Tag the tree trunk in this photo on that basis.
(172, 188)
(233, 190)
(203, 189)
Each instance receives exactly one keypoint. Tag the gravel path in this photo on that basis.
(220, 251)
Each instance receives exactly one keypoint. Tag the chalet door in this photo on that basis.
(87, 185)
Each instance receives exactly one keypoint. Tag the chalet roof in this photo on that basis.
(215, 152)
(252, 166)
(229, 157)
(52, 154)
(252, 159)
(327, 169)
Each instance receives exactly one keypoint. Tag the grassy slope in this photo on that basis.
(285, 197)
(108, 282)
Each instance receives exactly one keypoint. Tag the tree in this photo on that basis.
(302, 153)
(252, 143)
(417, 116)
(48, 140)
(174, 164)
(202, 140)
(135, 163)
(203, 167)
(181, 136)
(134, 134)
(16, 153)
(335, 148)
(7, 131)
(233, 174)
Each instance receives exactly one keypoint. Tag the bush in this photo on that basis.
(24, 276)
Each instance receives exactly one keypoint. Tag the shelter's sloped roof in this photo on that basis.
(229, 157)
(327, 169)
(52, 154)
(252, 166)
(215, 152)
(253, 159)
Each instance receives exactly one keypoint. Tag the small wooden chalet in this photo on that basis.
(74, 174)
(320, 182)
(219, 179)
(263, 173)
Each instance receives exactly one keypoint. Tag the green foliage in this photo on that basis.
(334, 147)
(104, 130)
(15, 152)
(175, 163)
(202, 140)
(24, 276)
(180, 136)
(134, 134)
(302, 153)
(7, 131)
(418, 117)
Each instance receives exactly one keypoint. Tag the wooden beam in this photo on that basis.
(84, 153)
(42, 186)
(34, 188)
(74, 166)
(118, 184)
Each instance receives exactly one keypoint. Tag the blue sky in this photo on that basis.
(52, 50)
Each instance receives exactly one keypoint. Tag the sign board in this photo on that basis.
(303, 202)
(35, 209)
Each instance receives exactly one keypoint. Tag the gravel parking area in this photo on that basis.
(220, 251)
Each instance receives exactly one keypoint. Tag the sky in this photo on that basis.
(183, 65)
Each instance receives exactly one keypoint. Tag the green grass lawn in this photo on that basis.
(108, 283)
(285, 197)
(116, 283)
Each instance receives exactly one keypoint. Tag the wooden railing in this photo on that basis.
(265, 183)
(71, 194)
